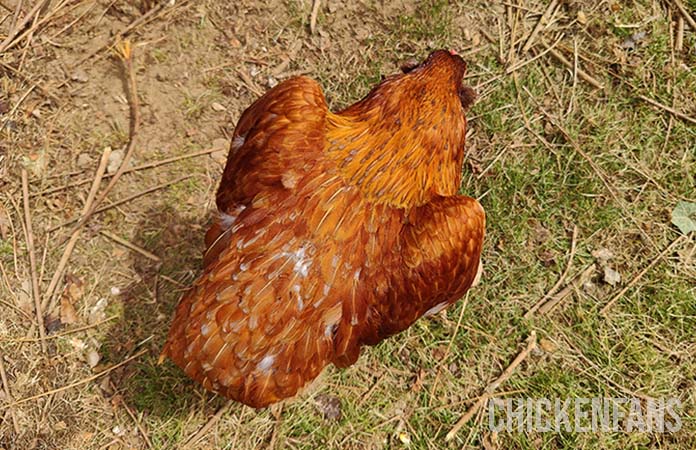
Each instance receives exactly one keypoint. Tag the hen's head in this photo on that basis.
(445, 67)
(404, 142)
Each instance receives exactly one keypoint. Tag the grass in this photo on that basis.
(533, 181)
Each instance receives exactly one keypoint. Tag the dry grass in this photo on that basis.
(584, 122)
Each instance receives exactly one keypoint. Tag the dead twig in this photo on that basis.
(149, 165)
(313, 16)
(124, 200)
(57, 275)
(193, 439)
(669, 109)
(560, 281)
(137, 422)
(18, 27)
(249, 83)
(75, 384)
(690, 20)
(679, 38)
(449, 348)
(32, 261)
(491, 388)
(521, 64)
(640, 275)
(8, 394)
(145, 18)
(65, 333)
(535, 31)
(130, 245)
(579, 279)
(125, 52)
(563, 60)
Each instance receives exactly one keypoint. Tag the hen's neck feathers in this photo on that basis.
(404, 143)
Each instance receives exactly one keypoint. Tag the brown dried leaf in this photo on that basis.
(24, 301)
(602, 255)
(547, 345)
(4, 223)
(68, 314)
(418, 382)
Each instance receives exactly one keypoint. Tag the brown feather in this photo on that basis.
(337, 230)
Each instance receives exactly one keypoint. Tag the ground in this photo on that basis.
(578, 168)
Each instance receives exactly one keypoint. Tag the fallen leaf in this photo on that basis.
(602, 255)
(490, 441)
(68, 314)
(581, 18)
(611, 276)
(74, 287)
(547, 345)
(684, 217)
(418, 382)
(404, 438)
(24, 301)
(52, 323)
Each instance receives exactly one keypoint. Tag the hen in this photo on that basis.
(335, 230)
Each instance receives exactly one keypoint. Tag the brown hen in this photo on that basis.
(336, 230)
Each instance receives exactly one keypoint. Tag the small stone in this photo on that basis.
(80, 76)
(93, 358)
(115, 161)
(217, 107)
(611, 276)
(97, 313)
(115, 290)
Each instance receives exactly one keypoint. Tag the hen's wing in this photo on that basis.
(439, 254)
(281, 130)
(260, 321)
(275, 133)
